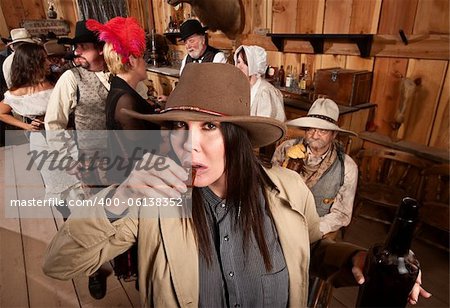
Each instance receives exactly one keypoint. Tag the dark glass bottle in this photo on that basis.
(391, 269)
(281, 76)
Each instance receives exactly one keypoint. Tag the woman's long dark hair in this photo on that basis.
(28, 66)
(245, 179)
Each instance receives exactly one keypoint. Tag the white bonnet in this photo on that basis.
(256, 58)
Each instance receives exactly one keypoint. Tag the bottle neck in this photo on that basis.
(400, 236)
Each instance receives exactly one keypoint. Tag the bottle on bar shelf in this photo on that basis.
(304, 82)
(281, 79)
(288, 77)
(391, 269)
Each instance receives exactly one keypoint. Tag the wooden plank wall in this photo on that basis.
(425, 59)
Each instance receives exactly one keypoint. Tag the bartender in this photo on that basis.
(196, 42)
(193, 34)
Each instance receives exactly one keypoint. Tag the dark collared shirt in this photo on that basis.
(235, 278)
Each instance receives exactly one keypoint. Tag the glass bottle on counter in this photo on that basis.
(304, 82)
(281, 79)
(391, 269)
(288, 77)
(300, 76)
(294, 78)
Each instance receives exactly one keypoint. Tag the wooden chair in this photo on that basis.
(386, 176)
(434, 213)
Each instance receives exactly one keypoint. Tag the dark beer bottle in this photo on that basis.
(391, 269)
(281, 76)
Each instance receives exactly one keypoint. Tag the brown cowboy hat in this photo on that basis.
(216, 92)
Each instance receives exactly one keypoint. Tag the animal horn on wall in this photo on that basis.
(227, 16)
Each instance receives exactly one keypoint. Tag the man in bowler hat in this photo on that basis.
(195, 39)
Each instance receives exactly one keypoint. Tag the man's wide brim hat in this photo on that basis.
(216, 92)
(54, 49)
(190, 27)
(82, 35)
(323, 114)
(20, 35)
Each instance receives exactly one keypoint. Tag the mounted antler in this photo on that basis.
(227, 16)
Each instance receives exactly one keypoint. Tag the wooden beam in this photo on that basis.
(420, 46)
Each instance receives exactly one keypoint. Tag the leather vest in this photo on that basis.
(326, 189)
(208, 55)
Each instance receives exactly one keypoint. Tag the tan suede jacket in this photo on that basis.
(168, 255)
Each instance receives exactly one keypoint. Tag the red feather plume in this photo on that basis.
(125, 34)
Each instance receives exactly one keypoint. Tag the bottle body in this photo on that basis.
(281, 76)
(304, 81)
(391, 269)
(389, 279)
(288, 77)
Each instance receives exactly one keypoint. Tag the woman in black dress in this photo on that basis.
(128, 138)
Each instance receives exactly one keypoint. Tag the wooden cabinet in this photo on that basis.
(160, 84)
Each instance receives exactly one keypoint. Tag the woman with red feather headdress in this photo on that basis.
(124, 54)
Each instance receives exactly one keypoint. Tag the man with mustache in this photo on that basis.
(196, 43)
(329, 173)
(80, 93)
(78, 101)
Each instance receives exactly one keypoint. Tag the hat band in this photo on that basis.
(196, 109)
(319, 116)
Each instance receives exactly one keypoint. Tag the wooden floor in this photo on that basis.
(23, 241)
(22, 245)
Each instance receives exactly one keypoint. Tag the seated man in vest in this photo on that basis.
(196, 42)
(330, 174)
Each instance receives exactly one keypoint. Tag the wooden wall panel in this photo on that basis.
(15, 11)
(284, 16)
(67, 10)
(365, 15)
(162, 14)
(396, 15)
(422, 46)
(248, 28)
(387, 75)
(310, 16)
(258, 15)
(4, 31)
(441, 128)
(432, 17)
(338, 14)
(358, 63)
(137, 10)
(431, 73)
(329, 61)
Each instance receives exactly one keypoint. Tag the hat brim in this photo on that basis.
(25, 40)
(203, 31)
(78, 40)
(310, 122)
(6, 41)
(262, 130)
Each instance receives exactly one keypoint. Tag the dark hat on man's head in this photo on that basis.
(6, 40)
(82, 35)
(54, 49)
(190, 27)
(226, 99)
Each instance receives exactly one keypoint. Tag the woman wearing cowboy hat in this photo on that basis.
(247, 242)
